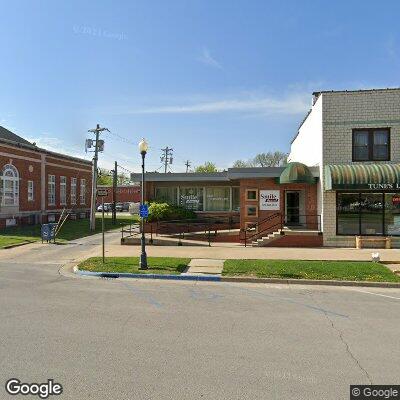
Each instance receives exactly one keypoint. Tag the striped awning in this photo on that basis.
(362, 176)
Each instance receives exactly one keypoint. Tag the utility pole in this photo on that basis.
(166, 157)
(98, 146)
(188, 165)
(114, 211)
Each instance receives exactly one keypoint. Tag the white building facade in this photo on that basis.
(354, 139)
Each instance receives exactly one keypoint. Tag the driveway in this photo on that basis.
(132, 339)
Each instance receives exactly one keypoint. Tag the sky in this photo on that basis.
(215, 80)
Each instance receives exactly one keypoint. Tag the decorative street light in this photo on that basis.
(143, 147)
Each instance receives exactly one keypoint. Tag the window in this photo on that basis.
(51, 190)
(9, 188)
(236, 199)
(30, 191)
(371, 144)
(73, 191)
(347, 207)
(218, 199)
(368, 213)
(82, 194)
(191, 198)
(251, 211)
(251, 194)
(63, 190)
(167, 195)
(392, 214)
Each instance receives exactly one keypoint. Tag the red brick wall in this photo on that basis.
(297, 241)
(125, 194)
(69, 173)
(310, 199)
(28, 164)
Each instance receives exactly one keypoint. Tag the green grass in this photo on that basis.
(301, 269)
(157, 265)
(71, 230)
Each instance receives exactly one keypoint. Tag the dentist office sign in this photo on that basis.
(270, 200)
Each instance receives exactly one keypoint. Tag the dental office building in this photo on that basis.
(342, 179)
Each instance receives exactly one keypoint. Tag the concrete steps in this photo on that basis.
(271, 237)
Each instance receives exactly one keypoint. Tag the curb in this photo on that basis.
(312, 282)
(213, 278)
(210, 278)
(11, 246)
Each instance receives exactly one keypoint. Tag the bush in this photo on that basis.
(168, 212)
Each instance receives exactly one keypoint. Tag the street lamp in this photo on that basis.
(143, 147)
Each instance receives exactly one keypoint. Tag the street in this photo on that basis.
(133, 339)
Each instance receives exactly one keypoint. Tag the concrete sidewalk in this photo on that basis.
(223, 252)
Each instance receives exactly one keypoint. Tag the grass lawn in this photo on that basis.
(301, 269)
(70, 230)
(157, 265)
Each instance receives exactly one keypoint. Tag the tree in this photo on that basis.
(104, 177)
(207, 167)
(270, 159)
(123, 179)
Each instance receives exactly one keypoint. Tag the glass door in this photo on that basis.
(292, 208)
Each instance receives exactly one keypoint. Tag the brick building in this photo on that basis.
(124, 194)
(37, 184)
(353, 137)
(266, 200)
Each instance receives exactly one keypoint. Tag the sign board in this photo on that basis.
(11, 222)
(144, 211)
(396, 200)
(102, 192)
(270, 200)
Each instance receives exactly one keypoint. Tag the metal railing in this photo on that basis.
(277, 222)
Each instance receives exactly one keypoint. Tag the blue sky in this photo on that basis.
(215, 80)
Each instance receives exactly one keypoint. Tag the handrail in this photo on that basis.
(268, 218)
(281, 224)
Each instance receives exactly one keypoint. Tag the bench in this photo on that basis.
(360, 240)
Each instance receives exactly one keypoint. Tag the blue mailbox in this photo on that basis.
(48, 232)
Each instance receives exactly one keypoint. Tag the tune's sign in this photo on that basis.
(270, 200)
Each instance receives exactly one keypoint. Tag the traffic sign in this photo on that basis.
(102, 192)
(144, 211)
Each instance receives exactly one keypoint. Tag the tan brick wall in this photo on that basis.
(343, 112)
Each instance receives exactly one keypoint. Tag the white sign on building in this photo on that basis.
(270, 200)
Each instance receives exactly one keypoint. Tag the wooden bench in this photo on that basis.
(360, 240)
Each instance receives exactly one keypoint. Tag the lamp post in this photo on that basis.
(143, 147)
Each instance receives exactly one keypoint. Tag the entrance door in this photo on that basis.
(292, 208)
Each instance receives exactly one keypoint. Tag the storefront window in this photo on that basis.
(236, 199)
(218, 199)
(348, 222)
(371, 210)
(191, 198)
(167, 195)
(392, 213)
(368, 214)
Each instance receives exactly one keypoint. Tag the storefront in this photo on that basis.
(367, 198)
(278, 196)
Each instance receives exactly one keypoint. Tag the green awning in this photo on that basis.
(296, 172)
(362, 176)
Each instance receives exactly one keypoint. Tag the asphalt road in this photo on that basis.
(128, 339)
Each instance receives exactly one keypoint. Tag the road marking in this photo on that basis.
(378, 294)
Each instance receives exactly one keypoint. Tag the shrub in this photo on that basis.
(168, 212)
